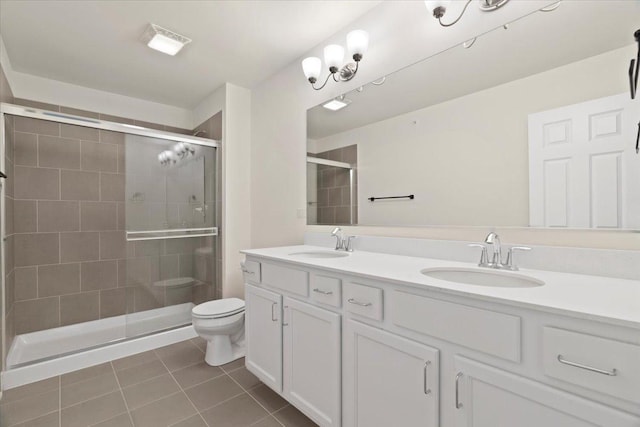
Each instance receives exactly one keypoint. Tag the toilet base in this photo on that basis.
(221, 351)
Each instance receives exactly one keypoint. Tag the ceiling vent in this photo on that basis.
(163, 40)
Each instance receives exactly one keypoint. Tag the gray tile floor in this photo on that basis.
(169, 386)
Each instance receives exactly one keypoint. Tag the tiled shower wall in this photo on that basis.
(333, 187)
(72, 261)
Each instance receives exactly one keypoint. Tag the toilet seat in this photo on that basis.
(218, 308)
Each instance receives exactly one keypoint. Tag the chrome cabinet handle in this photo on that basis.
(244, 270)
(426, 365)
(611, 373)
(361, 304)
(458, 403)
(273, 316)
(320, 291)
(283, 315)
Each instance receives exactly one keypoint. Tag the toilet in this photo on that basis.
(221, 324)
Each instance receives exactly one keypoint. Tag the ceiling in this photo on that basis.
(97, 44)
(531, 45)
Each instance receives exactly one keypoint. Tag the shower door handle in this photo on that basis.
(3, 175)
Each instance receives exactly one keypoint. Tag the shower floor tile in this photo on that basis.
(169, 386)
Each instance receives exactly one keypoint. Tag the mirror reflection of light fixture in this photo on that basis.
(178, 152)
(183, 150)
(378, 82)
(357, 45)
(167, 158)
(551, 7)
(438, 8)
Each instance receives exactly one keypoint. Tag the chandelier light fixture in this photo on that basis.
(438, 8)
(357, 45)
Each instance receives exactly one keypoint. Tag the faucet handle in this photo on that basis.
(348, 243)
(484, 258)
(510, 264)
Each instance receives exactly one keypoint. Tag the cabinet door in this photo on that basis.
(263, 330)
(388, 380)
(312, 361)
(490, 397)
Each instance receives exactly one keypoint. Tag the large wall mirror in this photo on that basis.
(531, 124)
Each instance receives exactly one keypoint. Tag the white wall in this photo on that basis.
(462, 148)
(27, 86)
(399, 36)
(236, 205)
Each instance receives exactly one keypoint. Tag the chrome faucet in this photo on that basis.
(496, 259)
(493, 239)
(342, 243)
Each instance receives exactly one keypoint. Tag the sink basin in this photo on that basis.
(472, 276)
(320, 254)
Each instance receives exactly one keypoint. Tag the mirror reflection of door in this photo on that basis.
(581, 165)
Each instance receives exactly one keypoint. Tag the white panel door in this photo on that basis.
(263, 331)
(312, 349)
(490, 397)
(388, 380)
(583, 169)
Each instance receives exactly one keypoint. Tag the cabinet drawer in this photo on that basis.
(363, 300)
(326, 290)
(600, 364)
(251, 271)
(487, 331)
(285, 278)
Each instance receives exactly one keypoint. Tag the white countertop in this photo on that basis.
(604, 299)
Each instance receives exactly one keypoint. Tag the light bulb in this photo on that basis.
(333, 57)
(311, 67)
(357, 44)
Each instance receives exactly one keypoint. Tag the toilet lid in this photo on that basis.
(219, 307)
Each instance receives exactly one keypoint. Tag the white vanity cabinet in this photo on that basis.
(361, 351)
(388, 380)
(490, 397)
(294, 346)
(311, 361)
(263, 330)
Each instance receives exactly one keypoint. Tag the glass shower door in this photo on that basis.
(170, 227)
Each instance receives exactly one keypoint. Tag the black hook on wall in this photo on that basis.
(633, 68)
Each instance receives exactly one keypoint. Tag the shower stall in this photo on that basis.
(108, 239)
(332, 187)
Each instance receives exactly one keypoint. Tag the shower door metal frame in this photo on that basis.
(3, 232)
(54, 116)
